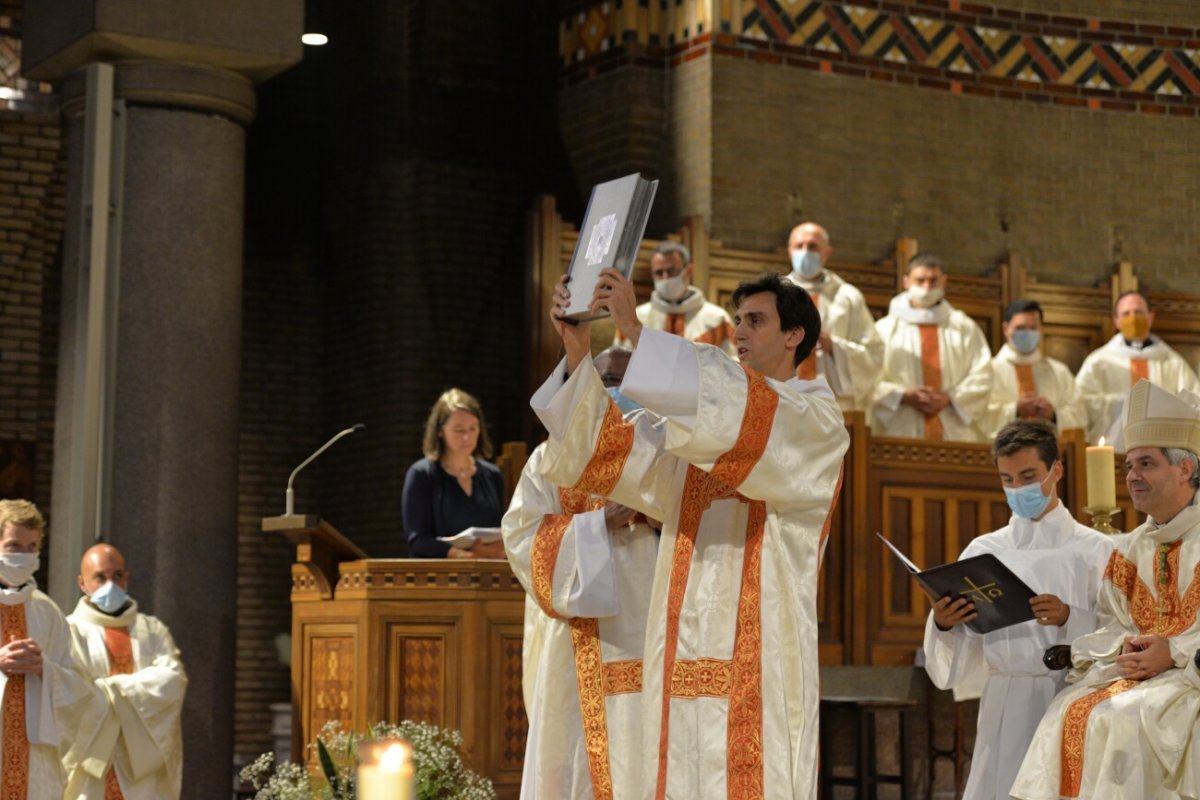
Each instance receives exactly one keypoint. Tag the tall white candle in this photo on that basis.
(1101, 477)
(385, 770)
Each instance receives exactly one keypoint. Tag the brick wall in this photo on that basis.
(32, 190)
(1164, 12)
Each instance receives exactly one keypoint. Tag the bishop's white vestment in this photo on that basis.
(1107, 375)
(51, 710)
(587, 595)
(1115, 739)
(693, 318)
(132, 659)
(743, 482)
(1015, 375)
(940, 347)
(1054, 555)
(853, 364)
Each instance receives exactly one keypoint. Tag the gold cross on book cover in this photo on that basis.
(1000, 597)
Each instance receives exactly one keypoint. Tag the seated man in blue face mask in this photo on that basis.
(1055, 556)
(678, 307)
(1027, 384)
(137, 751)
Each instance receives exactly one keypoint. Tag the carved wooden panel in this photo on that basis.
(331, 666)
(515, 725)
(418, 671)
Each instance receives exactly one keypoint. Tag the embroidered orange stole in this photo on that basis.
(807, 370)
(1026, 385)
(120, 662)
(1139, 369)
(675, 324)
(14, 782)
(931, 375)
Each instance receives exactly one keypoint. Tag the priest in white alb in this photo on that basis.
(1131, 355)
(743, 481)
(1127, 729)
(678, 307)
(849, 352)
(1060, 559)
(44, 703)
(131, 658)
(1027, 384)
(937, 373)
(587, 566)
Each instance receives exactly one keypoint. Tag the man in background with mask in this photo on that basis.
(937, 373)
(137, 750)
(678, 307)
(1057, 557)
(849, 352)
(1027, 384)
(44, 703)
(1132, 354)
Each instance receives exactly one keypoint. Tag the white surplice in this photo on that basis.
(587, 594)
(1054, 555)
(743, 482)
(853, 365)
(1105, 378)
(140, 736)
(1052, 380)
(60, 705)
(1115, 739)
(965, 368)
(704, 322)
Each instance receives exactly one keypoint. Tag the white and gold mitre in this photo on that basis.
(1156, 418)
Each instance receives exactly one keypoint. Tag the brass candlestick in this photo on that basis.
(1102, 518)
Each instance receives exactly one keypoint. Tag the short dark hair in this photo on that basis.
(925, 260)
(796, 309)
(1123, 295)
(1022, 307)
(1022, 433)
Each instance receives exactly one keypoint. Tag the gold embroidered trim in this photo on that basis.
(703, 677)
(585, 634)
(622, 677)
(761, 401)
(744, 749)
(613, 445)
(1074, 732)
(546, 543)
(14, 773)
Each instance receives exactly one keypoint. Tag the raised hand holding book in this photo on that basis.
(1001, 598)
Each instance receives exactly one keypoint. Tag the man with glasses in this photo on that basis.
(678, 307)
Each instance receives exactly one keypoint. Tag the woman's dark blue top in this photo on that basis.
(434, 505)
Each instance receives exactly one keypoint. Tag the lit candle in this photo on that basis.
(1101, 480)
(385, 770)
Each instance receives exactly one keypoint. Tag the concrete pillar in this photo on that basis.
(185, 72)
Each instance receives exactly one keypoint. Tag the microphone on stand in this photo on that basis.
(290, 496)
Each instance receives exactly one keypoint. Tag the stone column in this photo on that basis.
(186, 77)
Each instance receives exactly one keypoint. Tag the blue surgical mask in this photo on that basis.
(1028, 501)
(1025, 340)
(624, 403)
(807, 263)
(109, 598)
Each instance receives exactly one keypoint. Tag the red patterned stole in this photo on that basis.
(1139, 370)
(931, 375)
(14, 782)
(120, 662)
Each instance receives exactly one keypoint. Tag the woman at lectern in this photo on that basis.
(453, 488)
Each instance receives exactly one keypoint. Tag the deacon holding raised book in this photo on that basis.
(1128, 728)
(1054, 555)
(741, 462)
(587, 565)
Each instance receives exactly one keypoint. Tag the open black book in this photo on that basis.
(1000, 597)
(609, 237)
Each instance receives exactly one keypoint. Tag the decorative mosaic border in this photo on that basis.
(17, 93)
(939, 44)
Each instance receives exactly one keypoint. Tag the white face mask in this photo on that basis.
(922, 297)
(16, 569)
(671, 288)
(806, 263)
(109, 598)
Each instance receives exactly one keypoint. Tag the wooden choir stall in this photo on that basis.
(392, 639)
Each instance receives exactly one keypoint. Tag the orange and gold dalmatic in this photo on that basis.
(931, 375)
(1139, 370)
(120, 662)
(744, 751)
(1165, 615)
(14, 772)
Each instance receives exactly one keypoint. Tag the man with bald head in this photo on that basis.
(849, 352)
(1133, 353)
(137, 752)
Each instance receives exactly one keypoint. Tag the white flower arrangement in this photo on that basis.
(440, 770)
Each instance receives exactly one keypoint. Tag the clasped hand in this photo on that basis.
(927, 400)
(22, 656)
(1143, 657)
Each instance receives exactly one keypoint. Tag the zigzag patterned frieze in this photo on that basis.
(945, 44)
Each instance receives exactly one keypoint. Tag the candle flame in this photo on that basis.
(1101, 442)
(395, 757)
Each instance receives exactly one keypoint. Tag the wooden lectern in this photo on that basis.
(390, 639)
